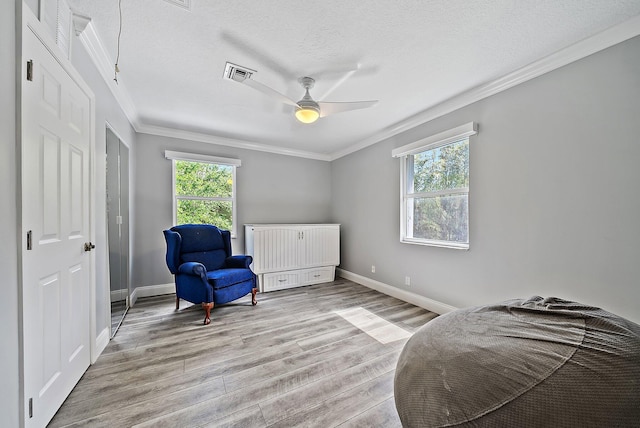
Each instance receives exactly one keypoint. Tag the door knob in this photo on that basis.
(88, 246)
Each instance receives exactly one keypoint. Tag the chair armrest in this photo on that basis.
(193, 268)
(240, 262)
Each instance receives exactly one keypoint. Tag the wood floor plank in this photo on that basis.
(127, 416)
(283, 365)
(246, 418)
(230, 363)
(324, 389)
(179, 349)
(419, 320)
(383, 415)
(342, 407)
(317, 340)
(108, 383)
(292, 360)
(211, 410)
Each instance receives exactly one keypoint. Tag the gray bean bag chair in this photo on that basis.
(521, 363)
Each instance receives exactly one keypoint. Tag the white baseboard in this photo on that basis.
(152, 290)
(101, 343)
(116, 295)
(407, 296)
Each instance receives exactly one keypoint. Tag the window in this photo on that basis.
(204, 190)
(435, 189)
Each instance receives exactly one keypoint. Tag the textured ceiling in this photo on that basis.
(410, 55)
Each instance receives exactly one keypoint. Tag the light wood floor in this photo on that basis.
(295, 359)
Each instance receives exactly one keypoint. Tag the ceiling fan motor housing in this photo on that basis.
(308, 102)
(308, 110)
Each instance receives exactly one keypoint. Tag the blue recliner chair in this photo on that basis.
(199, 255)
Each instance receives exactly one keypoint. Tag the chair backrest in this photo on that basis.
(202, 243)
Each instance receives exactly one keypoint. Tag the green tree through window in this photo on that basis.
(437, 194)
(204, 193)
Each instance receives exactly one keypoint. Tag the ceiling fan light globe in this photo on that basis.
(307, 114)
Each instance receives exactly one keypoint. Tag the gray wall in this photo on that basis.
(9, 347)
(554, 199)
(270, 189)
(107, 110)
(554, 202)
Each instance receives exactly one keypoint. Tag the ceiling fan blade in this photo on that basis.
(338, 83)
(332, 108)
(268, 91)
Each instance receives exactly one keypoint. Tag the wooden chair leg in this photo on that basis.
(177, 303)
(207, 312)
(253, 296)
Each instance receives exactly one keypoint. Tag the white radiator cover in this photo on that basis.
(293, 255)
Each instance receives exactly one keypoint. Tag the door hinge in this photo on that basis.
(29, 240)
(30, 407)
(30, 70)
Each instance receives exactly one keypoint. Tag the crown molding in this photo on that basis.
(105, 65)
(230, 142)
(612, 36)
(80, 22)
(575, 52)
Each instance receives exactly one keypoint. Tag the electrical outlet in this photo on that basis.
(407, 280)
(373, 269)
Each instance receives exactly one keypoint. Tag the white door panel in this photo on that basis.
(320, 246)
(278, 249)
(55, 214)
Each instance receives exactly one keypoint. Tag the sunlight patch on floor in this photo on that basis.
(378, 328)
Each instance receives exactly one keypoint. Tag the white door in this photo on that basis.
(56, 268)
(320, 246)
(275, 249)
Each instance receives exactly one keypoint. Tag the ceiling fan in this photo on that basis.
(308, 110)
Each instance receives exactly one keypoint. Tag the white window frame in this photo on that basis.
(405, 153)
(194, 157)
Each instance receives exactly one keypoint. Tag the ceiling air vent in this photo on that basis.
(237, 72)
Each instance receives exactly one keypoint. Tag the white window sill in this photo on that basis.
(440, 244)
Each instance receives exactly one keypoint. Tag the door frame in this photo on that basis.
(31, 23)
